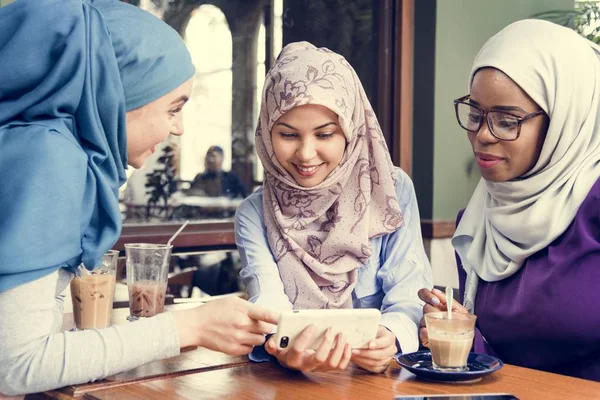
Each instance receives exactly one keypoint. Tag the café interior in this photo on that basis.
(413, 58)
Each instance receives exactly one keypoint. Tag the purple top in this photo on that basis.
(547, 315)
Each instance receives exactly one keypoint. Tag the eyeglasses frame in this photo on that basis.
(484, 114)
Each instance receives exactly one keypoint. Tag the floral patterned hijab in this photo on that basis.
(320, 235)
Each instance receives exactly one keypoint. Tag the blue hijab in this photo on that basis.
(69, 71)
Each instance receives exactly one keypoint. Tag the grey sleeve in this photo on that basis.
(35, 356)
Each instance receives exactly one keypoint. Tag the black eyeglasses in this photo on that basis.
(503, 125)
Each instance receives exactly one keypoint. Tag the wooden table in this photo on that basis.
(203, 374)
(270, 381)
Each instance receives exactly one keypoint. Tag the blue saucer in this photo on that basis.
(478, 365)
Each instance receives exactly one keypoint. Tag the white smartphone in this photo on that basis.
(359, 325)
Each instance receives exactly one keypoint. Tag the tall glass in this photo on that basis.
(93, 292)
(147, 272)
(450, 340)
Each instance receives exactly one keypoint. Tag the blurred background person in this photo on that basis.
(214, 181)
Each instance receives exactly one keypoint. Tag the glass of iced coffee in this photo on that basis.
(93, 292)
(450, 340)
(147, 268)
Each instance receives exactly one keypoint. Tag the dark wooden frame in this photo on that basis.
(431, 229)
(197, 236)
(395, 78)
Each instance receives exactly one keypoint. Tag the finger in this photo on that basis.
(429, 309)
(440, 295)
(247, 338)
(260, 327)
(383, 341)
(262, 314)
(370, 363)
(456, 306)
(271, 347)
(379, 354)
(422, 321)
(296, 354)
(304, 339)
(346, 357)
(364, 364)
(428, 297)
(424, 337)
(338, 351)
(324, 349)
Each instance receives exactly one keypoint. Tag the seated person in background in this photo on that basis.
(215, 182)
(335, 224)
(528, 243)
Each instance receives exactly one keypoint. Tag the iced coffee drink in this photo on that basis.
(450, 340)
(92, 293)
(147, 298)
(93, 300)
(147, 271)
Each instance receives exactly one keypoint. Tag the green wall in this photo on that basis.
(462, 27)
(5, 2)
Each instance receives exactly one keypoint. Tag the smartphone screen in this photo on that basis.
(498, 396)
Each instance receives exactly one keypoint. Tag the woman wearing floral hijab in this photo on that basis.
(335, 224)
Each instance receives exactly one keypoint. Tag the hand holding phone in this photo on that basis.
(379, 355)
(333, 353)
(358, 325)
(321, 340)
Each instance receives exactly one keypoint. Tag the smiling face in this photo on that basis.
(498, 160)
(151, 124)
(309, 143)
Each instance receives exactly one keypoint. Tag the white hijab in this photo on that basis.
(506, 222)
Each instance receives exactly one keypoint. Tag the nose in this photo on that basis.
(484, 135)
(177, 127)
(307, 150)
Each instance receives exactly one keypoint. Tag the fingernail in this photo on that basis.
(435, 301)
(355, 351)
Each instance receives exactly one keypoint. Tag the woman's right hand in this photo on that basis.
(332, 354)
(230, 325)
(435, 300)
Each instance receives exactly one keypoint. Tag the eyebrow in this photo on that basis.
(501, 108)
(314, 129)
(180, 99)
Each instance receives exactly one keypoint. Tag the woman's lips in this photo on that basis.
(307, 171)
(487, 160)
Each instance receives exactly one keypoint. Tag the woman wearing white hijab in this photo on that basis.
(528, 243)
(335, 224)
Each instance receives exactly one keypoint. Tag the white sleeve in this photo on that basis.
(35, 356)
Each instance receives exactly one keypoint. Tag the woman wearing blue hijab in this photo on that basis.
(86, 87)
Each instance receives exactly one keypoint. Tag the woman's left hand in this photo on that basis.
(378, 356)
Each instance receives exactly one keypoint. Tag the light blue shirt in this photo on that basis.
(390, 280)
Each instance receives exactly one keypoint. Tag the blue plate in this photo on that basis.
(478, 365)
